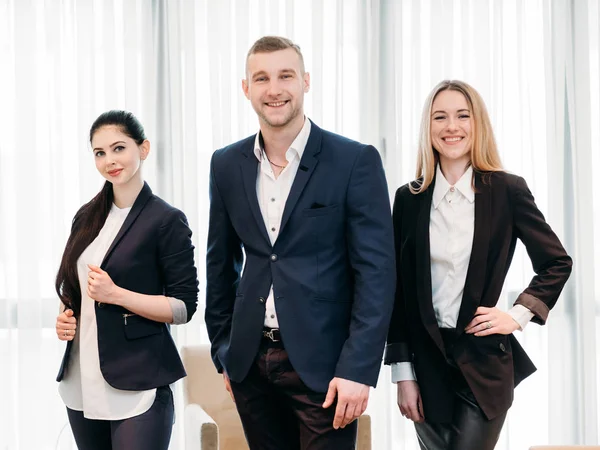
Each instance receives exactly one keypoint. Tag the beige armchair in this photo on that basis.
(565, 447)
(211, 420)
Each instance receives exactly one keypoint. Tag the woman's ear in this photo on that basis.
(144, 149)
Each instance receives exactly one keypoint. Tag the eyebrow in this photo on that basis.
(444, 112)
(262, 72)
(111, 145)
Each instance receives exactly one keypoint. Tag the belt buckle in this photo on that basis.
(269, 334)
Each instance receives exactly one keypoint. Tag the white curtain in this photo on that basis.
(178, 65)
(535, 63)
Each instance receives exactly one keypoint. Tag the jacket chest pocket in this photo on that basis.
(137, 327)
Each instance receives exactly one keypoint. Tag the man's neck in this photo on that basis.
(277, 140)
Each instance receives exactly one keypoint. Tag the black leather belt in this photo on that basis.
(272, 334)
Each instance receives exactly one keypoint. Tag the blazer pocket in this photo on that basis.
(491, 345)
(314, 212)
(137, 327)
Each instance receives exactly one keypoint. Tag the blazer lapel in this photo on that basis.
(249, 167)
(423, 267)
(478, 262)
(136, 209)
(306, 168)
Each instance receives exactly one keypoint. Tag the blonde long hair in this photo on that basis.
(484, 152)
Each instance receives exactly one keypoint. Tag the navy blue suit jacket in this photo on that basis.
(332, 265)
(152, 254)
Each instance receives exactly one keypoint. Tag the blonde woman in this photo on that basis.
(452, 351)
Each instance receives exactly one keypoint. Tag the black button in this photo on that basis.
(502, 347)
(273, 257)
(273, 229)
(100, 305)
(261, 299)
(272, 316)
(273, 199)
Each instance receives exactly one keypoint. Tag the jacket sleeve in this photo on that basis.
(551, 263)
(176, 259)
(224, 261)
(371, 256)
(397, 348)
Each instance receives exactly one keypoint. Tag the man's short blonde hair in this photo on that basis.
(268, 44)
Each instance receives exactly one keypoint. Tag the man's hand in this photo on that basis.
(409, 401)
(352, 400)
(228, 386)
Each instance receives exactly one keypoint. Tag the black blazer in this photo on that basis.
(152, 254)
(492, 366)
(332, 266)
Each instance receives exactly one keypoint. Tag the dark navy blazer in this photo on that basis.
(152, 254)
(332, 265)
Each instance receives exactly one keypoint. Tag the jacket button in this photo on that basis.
(502, 347)
(273, 257)
(261, 299)
(100, 305)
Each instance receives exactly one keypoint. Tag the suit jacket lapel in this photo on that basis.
(478, 262)
(136, 209)
(423, 267)
(249, 167)
(307, 166)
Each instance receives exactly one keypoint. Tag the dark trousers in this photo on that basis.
(470, 429)
(279, 412)
(148, 431)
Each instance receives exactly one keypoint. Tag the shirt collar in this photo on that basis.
(297, 146)
(463, 185)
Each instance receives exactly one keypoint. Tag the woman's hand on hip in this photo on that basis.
(101, 287)
(66, 325)
(409, 401)
(491, 321)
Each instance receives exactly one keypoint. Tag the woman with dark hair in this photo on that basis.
(127, 272)
(451, 348)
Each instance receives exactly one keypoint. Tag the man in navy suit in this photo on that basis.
(298, 327)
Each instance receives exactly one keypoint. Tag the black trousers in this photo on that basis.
(148, 431)
(279, 412)
(470, 429)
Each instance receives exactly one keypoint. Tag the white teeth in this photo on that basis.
(276, 104)
(454, 139)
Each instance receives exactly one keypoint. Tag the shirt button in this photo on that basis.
(272, 316)
(273, 199)
(451, 188)
(273, 257)
(261, 299)
(273, 229)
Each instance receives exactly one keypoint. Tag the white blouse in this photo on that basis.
(83, 388)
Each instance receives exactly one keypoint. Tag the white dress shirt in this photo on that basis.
(272, 195)
(83, 388)
(451, 228)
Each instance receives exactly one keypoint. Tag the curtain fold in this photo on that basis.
(178, 65)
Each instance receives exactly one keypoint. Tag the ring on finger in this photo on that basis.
(66, 333)
(488, 325)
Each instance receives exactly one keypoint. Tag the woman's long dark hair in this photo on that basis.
(90, 218)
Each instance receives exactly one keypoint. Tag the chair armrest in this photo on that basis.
(363, 440)
(201, 431)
